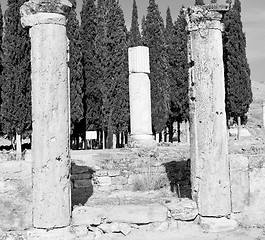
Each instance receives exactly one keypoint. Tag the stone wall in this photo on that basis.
(114, 170)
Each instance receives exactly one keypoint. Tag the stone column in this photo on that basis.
(140, 97)
(50, 118)
(208, 131)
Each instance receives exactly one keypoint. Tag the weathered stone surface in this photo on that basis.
(55, 234)
(114, 172)
(119, 180)
(217, 224)
(115, 227)
(162, 227)
(104, 181)
(209, 147)
(239, 180)
(16, 205)
(119, 213)
(15, 195)
(29, 10)
(81, 230)
(139, 59)
(253, 215)
(50, 113)
(184, 209)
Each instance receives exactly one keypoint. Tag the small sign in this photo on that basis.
(91, 135)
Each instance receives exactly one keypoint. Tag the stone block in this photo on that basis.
(114, 172)
(54, 234)
(239, 180)
(182, 209)
(212, 224)
(101, 173)
(119, 180)
(139, 59)
(137, 214)
(104, 181)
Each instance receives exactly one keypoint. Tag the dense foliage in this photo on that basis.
(76, 71)
(92, 96)
(154, 38)
(134, 34)
(15, 81)
(179, 73)
(111, 45)
(237, 71)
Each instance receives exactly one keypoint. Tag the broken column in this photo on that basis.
(140, 97)
(208, 132)
(50, 118)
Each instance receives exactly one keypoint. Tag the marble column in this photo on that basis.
(140, 97)
(208, 130)
(50, 118)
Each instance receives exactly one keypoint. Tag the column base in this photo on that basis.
(215, 224)
(138, 141)
(55, 234)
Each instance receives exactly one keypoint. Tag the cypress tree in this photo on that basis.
(237, 71)
(154, 38)
(16, 82)
(169, 34)
(76, 72)
(134, 34)
(180, 83)
(112, 55)
(92, 98)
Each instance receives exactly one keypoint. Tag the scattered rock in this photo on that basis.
(182, 209)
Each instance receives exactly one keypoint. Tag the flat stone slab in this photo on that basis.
(183, 209)
(137, 214)
(222, 224)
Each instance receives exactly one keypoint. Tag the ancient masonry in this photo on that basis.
(140, 97)
(50, 113)
(209, 146)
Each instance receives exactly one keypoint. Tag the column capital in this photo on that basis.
(205, 17)
(36, 12)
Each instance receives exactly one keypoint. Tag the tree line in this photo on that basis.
(99, 87)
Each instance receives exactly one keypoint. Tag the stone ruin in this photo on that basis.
(210, 171)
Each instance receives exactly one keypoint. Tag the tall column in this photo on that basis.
(50, 118)
(208, 132)
(140, 97)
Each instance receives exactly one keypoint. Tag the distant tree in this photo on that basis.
(199, 2)
(237, 71)
(134, 34)
(76, 73)
(113, 73)
(16, 81)
(92, 96)
(179, 85)
(154, 38)
(213, 1)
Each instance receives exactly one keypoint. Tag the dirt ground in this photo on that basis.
(195, 233)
